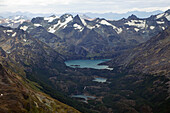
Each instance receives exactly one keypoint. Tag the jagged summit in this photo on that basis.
(132, 17)
(123, 33)
(14, 21)
(78, 20)
(66, 15)
(168, 11)
(53, 16)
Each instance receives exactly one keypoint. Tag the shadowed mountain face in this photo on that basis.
(17, 96)
(78, 37)
(13, 94)
(24, 57)
(150, 57)
(153, 56)
(31, 53)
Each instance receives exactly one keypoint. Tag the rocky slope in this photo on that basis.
(18, 95)
(122, 92)
(30, 53)
(13, 21)
(150, 57)
(35, 62)
(78, 37)
(154, 55)
(24, 57)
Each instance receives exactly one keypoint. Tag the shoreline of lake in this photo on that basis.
(94, 64)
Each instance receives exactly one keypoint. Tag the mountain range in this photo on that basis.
(110, 15)
(19, 55)
(118, 16)
(78, 37)
(13, 21)
(34, 77)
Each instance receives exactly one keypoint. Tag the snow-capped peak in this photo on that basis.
(167, 16)
(63, 21)
(104, 22)
(24, 28)
(51, 18)
(137, 23)
(77, 26)
(83, 21)
(17, 17)
(13, 21)
(66, 16)
(159, 15)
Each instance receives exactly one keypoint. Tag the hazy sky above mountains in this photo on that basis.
(96, 6)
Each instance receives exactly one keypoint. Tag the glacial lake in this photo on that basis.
(88, 64)
(84, 97)
(101, 80)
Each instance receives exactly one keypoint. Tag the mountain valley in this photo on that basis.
(34, 76)
(86, 38)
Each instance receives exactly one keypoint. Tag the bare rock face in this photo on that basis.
(13, 21)
(79, 37)
(153, 56)
(31, 53)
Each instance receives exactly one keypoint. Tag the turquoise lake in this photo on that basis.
(87, 64)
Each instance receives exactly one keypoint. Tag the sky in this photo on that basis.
(82, 6)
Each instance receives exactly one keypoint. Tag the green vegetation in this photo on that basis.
(122, 91)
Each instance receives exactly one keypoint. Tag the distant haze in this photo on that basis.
(94, 6)
(111, 16)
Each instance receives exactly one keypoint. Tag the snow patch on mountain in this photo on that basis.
(163, 28)
(104, 22)
(159, 16)
(50, 19)
(160, 22)
(97, 25)
(77, 26)
(13, 21)
(152, 27)
(52, 29)
(90, 27)
(118, 30)
(24, 28)
(85, 24)
(17, 17)
(4, 31)
(136, 29)
(8, 52)
(67, 20)
(60, 24)
(167, 16)
(83, 21)
(9, 31)
(24, 40)
(14, 34)
(18, 21)
(37, 25)
(138, 23)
